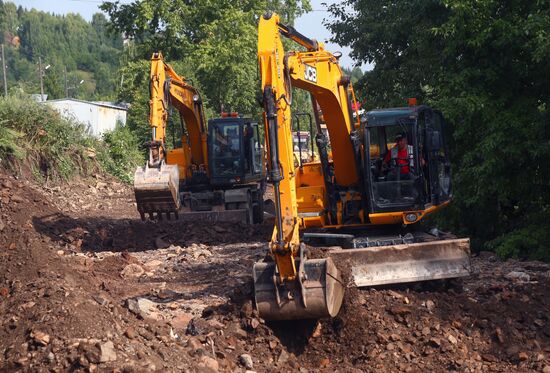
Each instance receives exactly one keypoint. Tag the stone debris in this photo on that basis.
(518, 276)
(132, 271)
(246, 361)
(119, 295)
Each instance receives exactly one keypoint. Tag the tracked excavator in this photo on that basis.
(367, 192)
(217, 171)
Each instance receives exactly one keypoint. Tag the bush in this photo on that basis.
(121, 154)
(57, 148)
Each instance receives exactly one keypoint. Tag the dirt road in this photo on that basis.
(86, 286)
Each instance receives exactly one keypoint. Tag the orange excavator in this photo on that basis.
(215, 173)
(374, 181)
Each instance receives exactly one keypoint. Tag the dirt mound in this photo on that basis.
(86, 286)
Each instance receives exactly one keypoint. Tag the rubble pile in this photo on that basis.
(85, 286)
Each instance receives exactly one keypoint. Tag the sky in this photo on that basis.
(310, 24)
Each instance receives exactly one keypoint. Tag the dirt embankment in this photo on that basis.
(86, 286)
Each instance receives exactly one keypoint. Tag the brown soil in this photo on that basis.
(86, 286)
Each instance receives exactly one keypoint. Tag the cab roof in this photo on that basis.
(386, 117)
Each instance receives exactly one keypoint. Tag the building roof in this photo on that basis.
(111, 105)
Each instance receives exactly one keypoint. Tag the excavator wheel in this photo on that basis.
(318, 295)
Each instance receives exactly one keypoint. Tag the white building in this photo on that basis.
(99, 116)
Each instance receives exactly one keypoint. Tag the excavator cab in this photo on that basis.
(234, 151)
(408, 161)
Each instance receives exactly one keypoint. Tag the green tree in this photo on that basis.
(486, 64)
(217, 39)
(62, 42)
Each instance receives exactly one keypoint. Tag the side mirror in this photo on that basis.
(433, 141)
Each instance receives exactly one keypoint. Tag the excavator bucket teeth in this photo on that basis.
(394, 264)
(319, 295)
(157, 191)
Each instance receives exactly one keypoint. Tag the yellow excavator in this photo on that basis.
(374, 181)
(216, 173)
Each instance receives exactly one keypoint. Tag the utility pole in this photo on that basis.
(66, 87)
(4, 71)
(40, 73)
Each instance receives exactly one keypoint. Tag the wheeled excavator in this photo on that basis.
(360, 193)
(215, 174)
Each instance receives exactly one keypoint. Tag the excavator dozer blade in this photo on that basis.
(319, 295)
(394, 264)
(157, 190)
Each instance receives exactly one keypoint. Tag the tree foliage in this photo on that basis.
(86, 49)
(486, 64)
(213, 41)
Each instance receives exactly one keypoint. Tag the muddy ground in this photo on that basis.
(85, 286)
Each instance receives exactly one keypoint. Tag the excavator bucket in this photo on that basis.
(318, 295)
(407, 262)
(157, 190)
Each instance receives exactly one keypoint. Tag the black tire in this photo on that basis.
(258, 211)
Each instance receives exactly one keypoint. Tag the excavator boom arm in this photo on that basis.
(156, 186)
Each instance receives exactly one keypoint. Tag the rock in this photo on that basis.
(395, 294)
(100, 300)
(318, 331)
(132, 271)
(283, 357)
(50, 357)
(499, 335)
(246, 309)
(246, 361)
(130, 333)
(237, 330)
(153, 264)
(107, 353)
(194, 344)
(395, 337)
(430, 305)
(254, 323)
(518, 276)
(17, 198)
(216, 324)
(141, 306)
(546, 369)
(522, 356)
(90, 353)
(181, 321)
(434, 342)
(399, 310)
(490, 358)
(452, 339)
(209, 363)
(325, 362)
(40, 338)
(27, 305)
(4, 292)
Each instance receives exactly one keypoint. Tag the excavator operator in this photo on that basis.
(400, 157)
